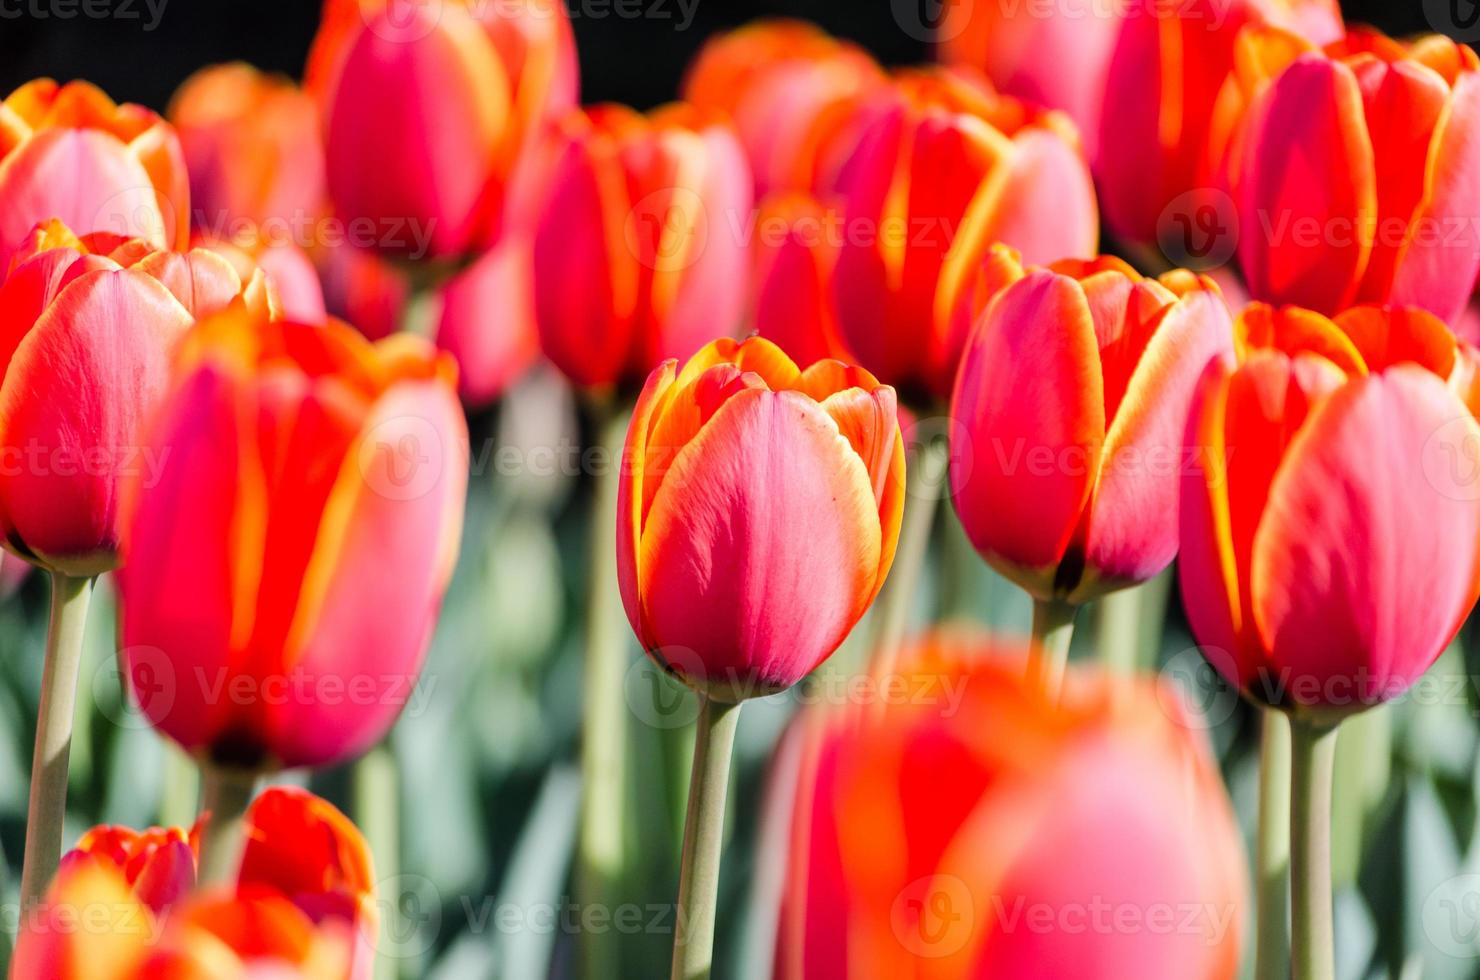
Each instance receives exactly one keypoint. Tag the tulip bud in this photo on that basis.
(89, 329)
(640, 254)
(1329, 527)
(978, 828)
(68, 153)
(759, 510)
(1069, 413)
(260, 626)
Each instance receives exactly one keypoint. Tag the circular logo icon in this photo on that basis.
(933, 916)
(930, 21)
(1451, 916)
(1451, 459)
(1460, 19)
(135, 212)
(135, 686)
(1199, 229)
(655, 697)
(1193, 692)
(668, 230)
(410, 916)
(402, 21)
(402, 458)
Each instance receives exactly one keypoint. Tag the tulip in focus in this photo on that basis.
(1329, 522)
(303, 904)
(1069, 415)
(296, 543)
(988, 831)
(430, 112)
(758, 514)
(88, 329)
(946, 168)
(67, 152)
(1352, 172)
(640, 254)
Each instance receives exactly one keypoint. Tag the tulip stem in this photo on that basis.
(923, 485)
(1053, 628)
(603, 832)
(47, 808)
(1313, 757)
(703, 839)
(226, 795)
(1272, 957)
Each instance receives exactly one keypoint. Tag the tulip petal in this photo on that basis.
(202, 281)
(632, 496)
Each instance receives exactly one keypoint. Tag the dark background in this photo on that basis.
(633, 59)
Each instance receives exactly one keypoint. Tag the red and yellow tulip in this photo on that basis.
(758, 514)
(285, 567)
(1329, 525)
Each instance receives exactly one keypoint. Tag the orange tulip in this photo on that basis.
(796, 250)
(295, 281)
(88, 327)
(1069, 414)
(1329, 529)
(284, 568)
(1382, 207)
(945, 168)
(978, 828)
(431, 112)
(640, 254)
(758, 514)
(68, 152)
(791, 90)
(120, 908)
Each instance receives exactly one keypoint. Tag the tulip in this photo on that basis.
(640, 253)
(757, 516)
(1176, 55)
(364, 289)
(303, 902)
(792, 91)
(487, 321)
(945, 168)
(252, 145)
(1380, 208)
(288, 268)
(304, 463)
(67, 152)
(446, 101)
(1068, 418)
(932, 839)
(796, 249)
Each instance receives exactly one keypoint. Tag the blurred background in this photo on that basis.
(485, 760)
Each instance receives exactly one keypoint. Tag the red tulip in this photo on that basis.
(1069, 413)
(362, 288)
(120, 908)
(640, 254)
(796, 250)
(945, 168)
(791, 91)
(758, 514)
(976, 828)
(1329, 530)
(261, 621)
(69, 153)
(1381, 208)
(1170, 63)
(88, 329)
(487, 321)
(431, 110)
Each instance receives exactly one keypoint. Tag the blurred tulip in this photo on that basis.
(1329, 525)
(67, 152)
(977, 828)
(641, 252)
(487, 321)
(796, 249)
(946, 168)
(1381, 208)
(295, 281)
(1069, 414)
(303, 905)
(790, 89)
(364, 289)
(444, 102)
(253, 148)
(758, 514)
(260, 624)
(88, 329)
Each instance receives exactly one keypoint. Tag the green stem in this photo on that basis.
(47, 808)
(603, 832)
(1118, 630)
(1313, 756)
(377, 809)
(226, 794)
(703, 839)
(1053, 628)
(1272, 857)
(923, 484)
